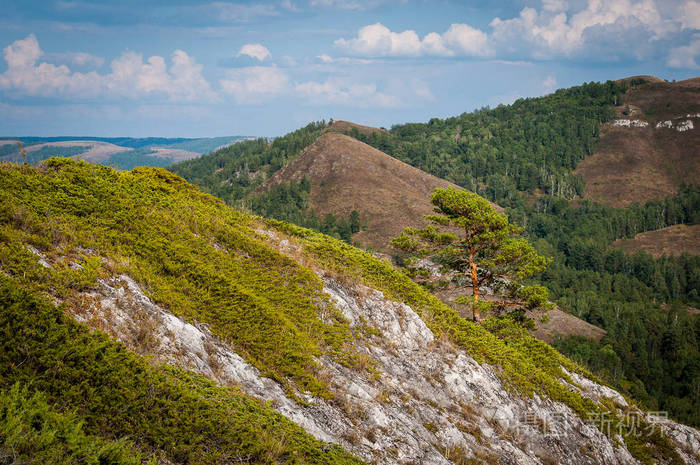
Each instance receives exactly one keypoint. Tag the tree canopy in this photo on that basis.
(469, 238)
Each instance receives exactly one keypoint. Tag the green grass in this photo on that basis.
(196, 257)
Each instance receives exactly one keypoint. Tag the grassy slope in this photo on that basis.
(206, 262)
(74, 375)
(641, 164)
(671, 240)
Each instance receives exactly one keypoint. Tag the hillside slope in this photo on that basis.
(671, 240)
(346, 174)
(650, 148)
(331, 337)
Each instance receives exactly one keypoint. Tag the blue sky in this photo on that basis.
(211, 68)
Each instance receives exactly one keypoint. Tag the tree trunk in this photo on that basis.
(475, 291)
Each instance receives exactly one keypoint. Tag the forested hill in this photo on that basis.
(523, 156)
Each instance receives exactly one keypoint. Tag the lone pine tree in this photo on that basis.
(468, 237)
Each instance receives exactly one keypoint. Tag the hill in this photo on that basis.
(124, 152)
(278, 318)
(346, 174)
(650, 148)
(672, 240)
(346, 126)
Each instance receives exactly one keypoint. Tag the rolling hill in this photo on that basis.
(346, 174)
(650, 148)
(671, 240)
(158, 323)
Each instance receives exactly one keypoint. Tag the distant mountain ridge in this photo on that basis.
(123, 152)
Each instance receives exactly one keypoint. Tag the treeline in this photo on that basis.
(289, 202)
(233, 172)
(534, 143)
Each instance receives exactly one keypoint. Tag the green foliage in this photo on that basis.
(91, 392)
(32, 432)
(193, 255)
(289, 202)
(486, 249)
(630, 295)
(525, 364)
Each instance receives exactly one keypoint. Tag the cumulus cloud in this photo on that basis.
(549, 84)
(255, 83)
(130, 76)
(257, 51)
(379, 40)
(555, 34)
(343, 92)
(76, 58)
(685, 56)
(600, 28)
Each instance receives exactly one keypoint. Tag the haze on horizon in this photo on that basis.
(200, 69)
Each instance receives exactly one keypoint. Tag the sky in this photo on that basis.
(191, 68)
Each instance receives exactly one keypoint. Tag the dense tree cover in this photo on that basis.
(130, 159)
(234, 171)
(471, 240)
(289, 202)
(534, 143)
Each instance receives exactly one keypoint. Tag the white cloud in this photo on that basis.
(690, 14)
(600, 28)
(685, 56)
(344, 92)
(130, 77)
(77, 58)
(257, 51)
(379, 40)
(554, 5)
(466, 40)
(255, 83)
(549, 84)
(551, 33)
